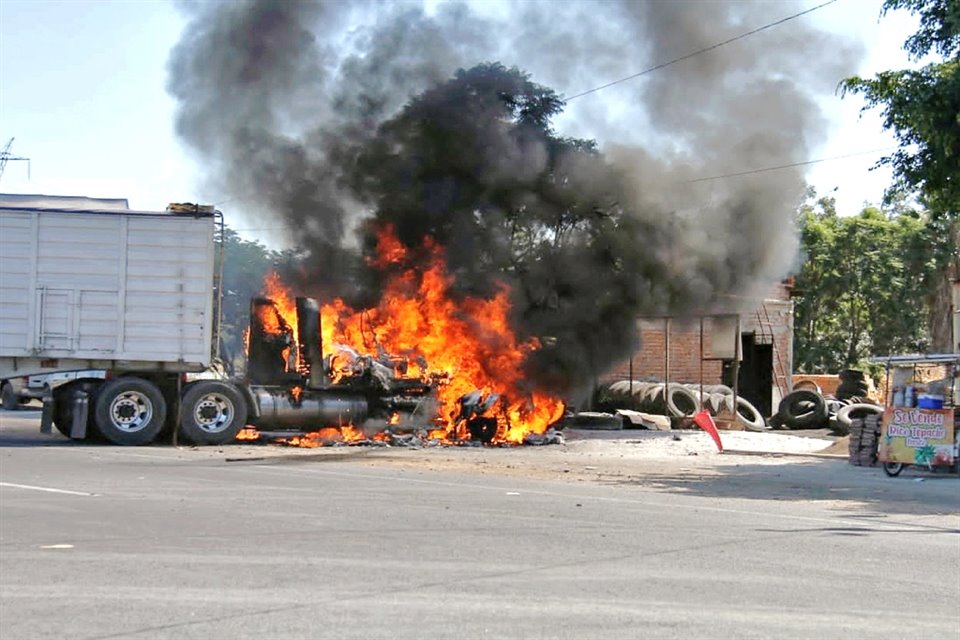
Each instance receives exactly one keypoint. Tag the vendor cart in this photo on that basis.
(921, 421)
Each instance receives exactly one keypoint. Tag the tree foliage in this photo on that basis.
(861, 290)
(922, 108)
(245, 263)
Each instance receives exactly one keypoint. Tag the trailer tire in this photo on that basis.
(212, 412)
(9, 397)
(129, 411)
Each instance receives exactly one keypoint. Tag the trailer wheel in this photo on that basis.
(9, 397)
(129, 411)
(212, 412)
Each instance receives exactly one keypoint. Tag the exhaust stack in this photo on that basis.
(311, 342)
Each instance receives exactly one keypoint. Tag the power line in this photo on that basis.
(706, 179)
(699, 51)
(788, 166)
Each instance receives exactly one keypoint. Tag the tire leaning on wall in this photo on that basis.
(747, 415)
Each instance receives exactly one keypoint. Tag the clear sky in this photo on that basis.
(83, 92)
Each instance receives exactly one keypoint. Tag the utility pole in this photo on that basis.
(5, 157)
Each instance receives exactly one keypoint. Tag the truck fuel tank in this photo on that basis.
(310, 410)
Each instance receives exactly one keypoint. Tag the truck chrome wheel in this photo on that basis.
(131, 411)
(213, 412)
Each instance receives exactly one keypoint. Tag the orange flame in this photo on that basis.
(286, 306)
(462, 345)
(468, 344)
(248, 433)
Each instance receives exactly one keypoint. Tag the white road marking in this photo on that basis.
(56, 546)
(47, 489)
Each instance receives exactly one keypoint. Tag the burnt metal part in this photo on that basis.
(482, 429)
(268, 352)
(313, 410)
(311, 346)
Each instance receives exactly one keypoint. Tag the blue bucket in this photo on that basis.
(930, 402)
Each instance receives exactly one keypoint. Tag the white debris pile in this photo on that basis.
(671, 444)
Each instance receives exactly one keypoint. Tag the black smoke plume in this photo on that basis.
(330, 117)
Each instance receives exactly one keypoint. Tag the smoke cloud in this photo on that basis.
(319, 116)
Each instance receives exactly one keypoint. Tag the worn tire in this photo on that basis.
(748, 415)
(8, 397)
(795, 415)
(852, 375)
(212, 412)
(848, 390)
(679, 397)
(808, 385)
(859, 410)
(129, 411)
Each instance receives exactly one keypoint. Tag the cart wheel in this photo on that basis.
(893, 469)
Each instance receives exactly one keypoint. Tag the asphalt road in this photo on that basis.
(105, 542)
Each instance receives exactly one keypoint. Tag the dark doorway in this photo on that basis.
(755, 381)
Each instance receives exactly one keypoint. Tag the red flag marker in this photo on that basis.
(705, 421)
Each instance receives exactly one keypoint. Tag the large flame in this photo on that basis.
(465, 345)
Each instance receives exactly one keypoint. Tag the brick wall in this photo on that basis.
(771, 319)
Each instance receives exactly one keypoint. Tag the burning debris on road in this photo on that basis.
(352, 437)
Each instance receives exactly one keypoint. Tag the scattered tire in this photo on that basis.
(594, 421)
(8, 397)
(852, 375)
(718, 388)
(847, 414)
(749, 417)
(681, 402)
(852, 389)
(129, 411)
(808, 385)
(212, 412)
(795, 414)
(716, 402)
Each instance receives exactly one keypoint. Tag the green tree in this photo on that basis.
(860, 290)
(922, 108)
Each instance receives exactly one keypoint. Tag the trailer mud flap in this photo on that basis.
(46, 417)
(80, 406)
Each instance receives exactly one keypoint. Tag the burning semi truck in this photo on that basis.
(93, 285)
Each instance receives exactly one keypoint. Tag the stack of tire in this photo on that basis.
(809, 409)
(681, 400)
(853, 385)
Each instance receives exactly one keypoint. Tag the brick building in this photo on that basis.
(766, 347)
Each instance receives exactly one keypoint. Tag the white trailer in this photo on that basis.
(127, 292)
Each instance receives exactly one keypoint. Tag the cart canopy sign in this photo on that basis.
(917, 436)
